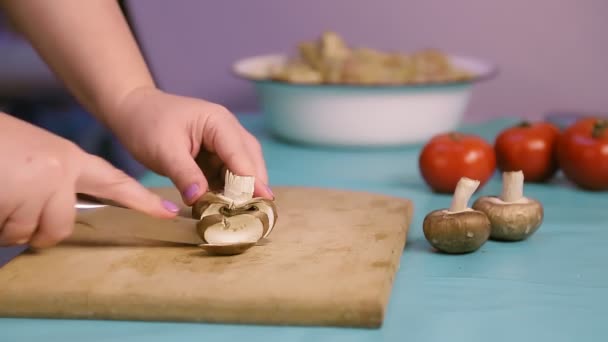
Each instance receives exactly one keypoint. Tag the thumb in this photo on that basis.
(100, 179)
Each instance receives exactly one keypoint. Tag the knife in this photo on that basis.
(115, 220)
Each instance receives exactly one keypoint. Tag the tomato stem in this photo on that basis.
(512, 186)
(524, 123)
(464, 190)
(455, 136)
(599, 127)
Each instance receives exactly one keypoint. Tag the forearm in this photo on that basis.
(88, 45)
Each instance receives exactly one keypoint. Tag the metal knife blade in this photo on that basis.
(119, 221)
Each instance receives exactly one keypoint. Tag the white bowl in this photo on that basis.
(360, 115)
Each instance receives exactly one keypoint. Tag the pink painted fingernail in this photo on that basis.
(269, 191)
(191, 191)
(22, 242)
(172, 207)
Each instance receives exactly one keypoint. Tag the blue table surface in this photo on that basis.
(551, 287)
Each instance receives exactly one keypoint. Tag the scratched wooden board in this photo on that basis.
(330, 261)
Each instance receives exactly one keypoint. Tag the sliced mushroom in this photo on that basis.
(220, 229)
(458, 229)
(513, 216)
(233, 221)
(228, 249)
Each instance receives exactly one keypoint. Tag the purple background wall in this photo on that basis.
(553, 53)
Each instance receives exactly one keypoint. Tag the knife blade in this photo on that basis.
(120, 221)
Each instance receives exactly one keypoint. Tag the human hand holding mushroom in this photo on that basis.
(191, 141)
(163, 131)
(233, 221)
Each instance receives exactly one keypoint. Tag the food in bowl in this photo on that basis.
(329, 60)
(330, 94)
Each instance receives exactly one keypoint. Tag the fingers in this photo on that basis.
(99, 178)
(56, 222)
(22, 222)
(186, 174)
(255, 151)
(221, 142)
(223, 135)
(239, 151)
(212, 168)
(41, 222)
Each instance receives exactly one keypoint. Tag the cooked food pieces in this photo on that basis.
(329, 60)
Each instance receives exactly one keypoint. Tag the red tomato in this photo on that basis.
(448, 157)
(529, 147)
(583, 153)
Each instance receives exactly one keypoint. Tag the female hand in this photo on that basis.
(40, 174)
(109, 77)
(191, 141)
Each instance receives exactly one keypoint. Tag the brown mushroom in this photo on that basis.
(513, 216)
(458, 229)
(233, 221)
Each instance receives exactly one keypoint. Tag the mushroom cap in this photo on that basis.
(511, 221)
(226, 249)
(198, 208)
(456, 232)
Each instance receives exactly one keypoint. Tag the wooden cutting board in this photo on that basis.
(330, 261)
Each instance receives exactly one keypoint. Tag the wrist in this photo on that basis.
(114, 109)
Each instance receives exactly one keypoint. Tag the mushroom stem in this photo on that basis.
(238, 188)
(512, 186)
(464, 190)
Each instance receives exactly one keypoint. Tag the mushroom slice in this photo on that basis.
(227, 249)
(458, 229)
(232, 222)
(268, 212)
(259, 209)
(221, 229)
(513, 216)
